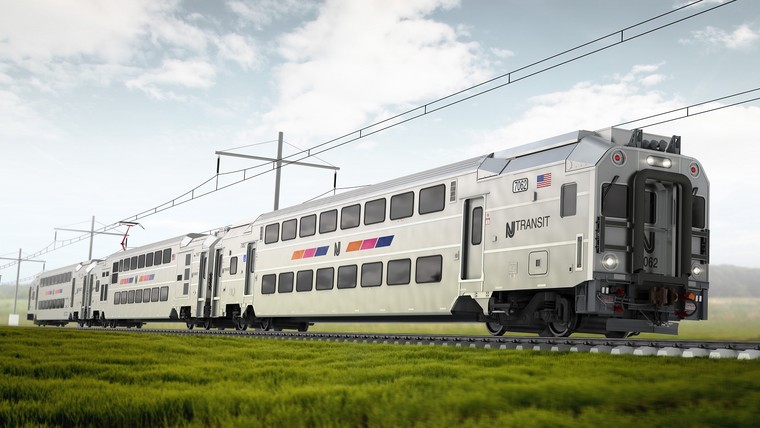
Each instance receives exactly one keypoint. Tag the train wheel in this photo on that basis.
(496, 329)
(557, 329)
(207, 324)
(616, 334)
(190, 325)
(303, 327)
(266, 324)
(241, 325)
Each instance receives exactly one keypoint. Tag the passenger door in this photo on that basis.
(471, 271)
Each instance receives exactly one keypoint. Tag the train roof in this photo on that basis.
(581, 148)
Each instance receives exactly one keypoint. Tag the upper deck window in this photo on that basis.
(374, 212)
(272, 233)
(432, 199)
(402, 205)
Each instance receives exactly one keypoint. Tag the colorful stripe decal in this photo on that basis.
(53, 292)
(136, 279)
(311, 252)
(368, 244)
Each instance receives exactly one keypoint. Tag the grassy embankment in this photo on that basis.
(70, 377)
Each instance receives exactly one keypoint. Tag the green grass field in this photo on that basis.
(68, 377)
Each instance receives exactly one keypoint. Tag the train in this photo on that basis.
(602, 232)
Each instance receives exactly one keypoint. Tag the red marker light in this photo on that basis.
(618, 158)
(694, 169)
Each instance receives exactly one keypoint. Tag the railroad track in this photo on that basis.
(717, 349)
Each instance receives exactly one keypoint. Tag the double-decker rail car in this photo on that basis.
(55, 296)
(599, 232)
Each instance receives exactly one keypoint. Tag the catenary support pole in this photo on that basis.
(277, 173)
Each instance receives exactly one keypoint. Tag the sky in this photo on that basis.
(109, 109)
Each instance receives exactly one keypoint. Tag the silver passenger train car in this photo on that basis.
(597, 232)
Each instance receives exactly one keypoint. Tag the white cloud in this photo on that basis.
(502, 53)
(234, 47)
(263, 13)
(194, 74)
(584, 106)
(357, 58)
(20, 121)
(66, 45)
(743, 37)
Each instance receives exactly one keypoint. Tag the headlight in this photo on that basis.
(659, 161)
(696, 270)
(610, 261)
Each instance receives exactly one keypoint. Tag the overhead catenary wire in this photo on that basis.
(498, 82)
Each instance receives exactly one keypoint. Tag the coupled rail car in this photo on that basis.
(595, 232)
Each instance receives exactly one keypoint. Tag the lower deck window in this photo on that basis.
(428, 269)
(268, 283)
(305, 280)
(399, 272)
(285, 284)
(325, 278)
(347, 276)
(372, 274)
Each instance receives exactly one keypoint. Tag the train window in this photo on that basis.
(272, 233)
(131, 296)
(167, 255)
(374, 211)
(114, 278)
(432, 199)
(157, 258)
(268, 283)
(289, 229)
(146, 295)
(149, 260)
(285, 283)
(138, 296)
(233, 266)
(123, 298)
(133, 263)
(350, 216)
(615, 200)
(186, 289)
(402, 206)
(125, 267)
(308, 226)
(698, 212)
(121, 266)
(154, 294)
(116, 298)
(325, 278)
(115, 267)
(476, 236)
(141, 261)
(428, 269)
(164, 293)
(372, 274)
(188, 259)
(304, 280)
(568, 204)
(328, 221)
(186, 276)
(347, 276)
(105, 292)
(399, 271)
(650, 208)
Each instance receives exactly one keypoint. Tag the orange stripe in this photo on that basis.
(297, 255)
(354, 246)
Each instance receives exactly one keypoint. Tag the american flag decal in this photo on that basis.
(544, 180)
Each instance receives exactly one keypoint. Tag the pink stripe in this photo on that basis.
(309, 253)
(369, 243)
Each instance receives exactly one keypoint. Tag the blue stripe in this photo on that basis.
(321, 251)
(384, 241)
